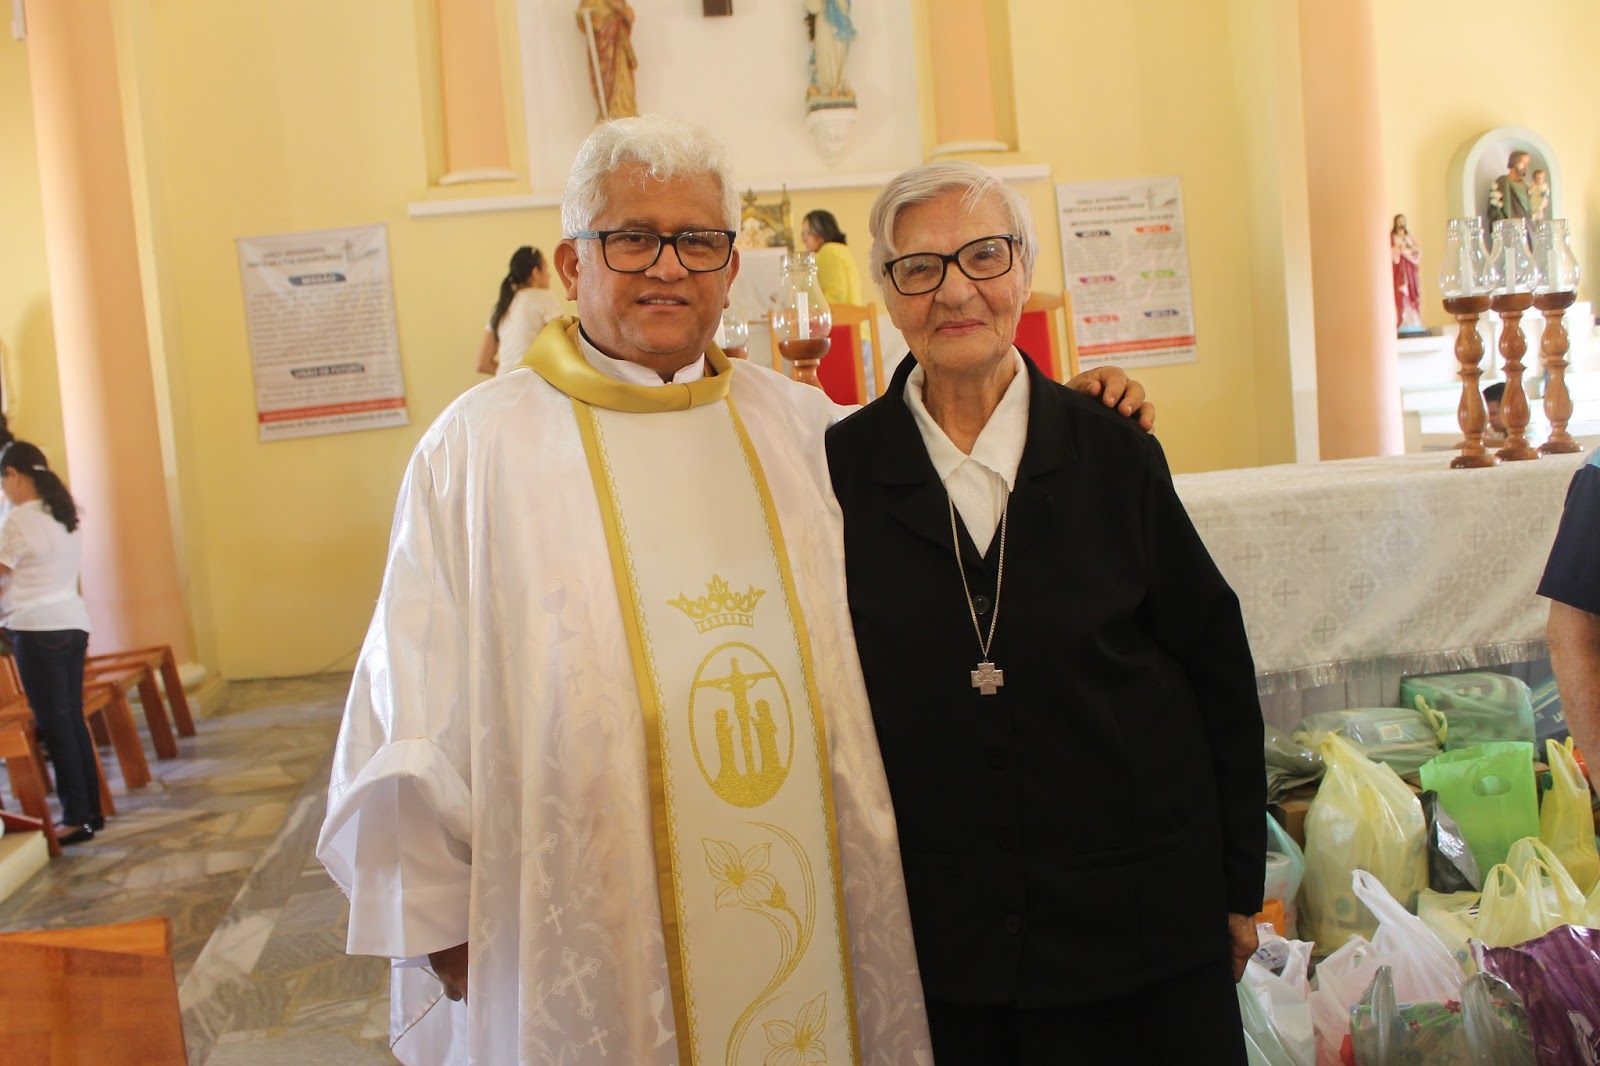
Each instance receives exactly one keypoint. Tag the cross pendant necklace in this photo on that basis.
(986, 679)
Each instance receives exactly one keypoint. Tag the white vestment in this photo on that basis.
(489, 784)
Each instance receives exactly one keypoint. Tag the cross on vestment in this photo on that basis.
(574, 979)
(986, 679)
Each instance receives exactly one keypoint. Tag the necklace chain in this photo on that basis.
(984, 643)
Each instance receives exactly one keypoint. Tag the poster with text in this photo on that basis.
(319, 307)
(1126, 262)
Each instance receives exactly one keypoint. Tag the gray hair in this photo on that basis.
(665, 148)
(921, 184)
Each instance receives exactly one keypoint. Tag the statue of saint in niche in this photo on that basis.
(607, 26)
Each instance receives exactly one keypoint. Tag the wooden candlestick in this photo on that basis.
(805, 355)
(1470, 413)
(1553, 350)
(1513, 346)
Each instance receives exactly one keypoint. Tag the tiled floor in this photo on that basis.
(221, 843)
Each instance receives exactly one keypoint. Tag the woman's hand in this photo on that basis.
(1117, 389)
(1242, 935)
(450, 967)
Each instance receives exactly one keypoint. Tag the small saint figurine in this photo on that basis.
(831, 30)
(607, 26)
(1405, 257)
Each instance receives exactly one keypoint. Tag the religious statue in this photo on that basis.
(1405, 257)
(829, 26)
(607, 26)
(1539, 196)
(1508, 196)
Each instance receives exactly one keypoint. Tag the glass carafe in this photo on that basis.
(801, 318)
(733, 335)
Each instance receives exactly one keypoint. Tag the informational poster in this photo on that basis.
(320, 310)
(1126, 261)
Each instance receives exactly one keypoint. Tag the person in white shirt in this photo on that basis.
(525, 305)
(41, 548)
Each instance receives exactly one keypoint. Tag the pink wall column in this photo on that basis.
(1358, 389)
(967, 114)
(130, 568)
(470, 84)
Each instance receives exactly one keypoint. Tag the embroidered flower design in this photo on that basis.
(799, 1043)
(741, 878)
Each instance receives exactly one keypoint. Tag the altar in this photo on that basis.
(1354, 573)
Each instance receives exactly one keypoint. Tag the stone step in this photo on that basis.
(21, 856)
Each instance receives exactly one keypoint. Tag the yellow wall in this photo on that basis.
(1115, 91)
(279, 118)
(1443, 89)
(33, 392)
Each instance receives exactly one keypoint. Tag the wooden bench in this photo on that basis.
(104, 994)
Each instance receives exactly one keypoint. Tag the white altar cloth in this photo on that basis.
(1363, 568)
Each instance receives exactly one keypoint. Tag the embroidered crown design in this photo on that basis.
(721, 606)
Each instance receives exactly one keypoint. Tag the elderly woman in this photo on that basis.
(1067, 710)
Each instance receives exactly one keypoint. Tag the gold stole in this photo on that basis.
(747, 854)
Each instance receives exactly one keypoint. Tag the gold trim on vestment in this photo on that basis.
(649, 704)
(554, 356)
(819, 724)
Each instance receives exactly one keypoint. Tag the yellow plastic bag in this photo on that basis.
(1516, 909)
(1363, 818)
(1453, 917)
(1564, 819)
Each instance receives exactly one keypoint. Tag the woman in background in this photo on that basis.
(40, 552)
(836, 268)
(525, 305)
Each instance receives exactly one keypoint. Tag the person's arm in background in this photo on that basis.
(488, 353)
(1574, 638)
(1571, 583)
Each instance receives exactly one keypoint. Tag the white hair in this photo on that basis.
(921, 184)
(665, 148)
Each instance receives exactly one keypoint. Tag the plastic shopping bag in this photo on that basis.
(1489, 791)
(1565, 819)
(1558, 978)
(1289, 764)
(1487, 1024)
(1453, 917)
(1517, 907)
(1363, 817)
(1277, 1021)
(1396, 736)
(1480, 707)
(1286, 868)
(1423, 969)
(1451, 866)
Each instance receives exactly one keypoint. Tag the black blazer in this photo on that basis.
(1084, 831)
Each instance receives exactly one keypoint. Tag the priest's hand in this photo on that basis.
(1242, 936)
(450, 967)
(1117, 389)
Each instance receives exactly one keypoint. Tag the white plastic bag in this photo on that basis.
(1276, 1017)
(1423, 968)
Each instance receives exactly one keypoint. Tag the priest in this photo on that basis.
(607, 786)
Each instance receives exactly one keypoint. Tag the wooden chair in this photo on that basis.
(104, 994)
(843, 371)
(125, 676)
(25, 767)
(1040, 334)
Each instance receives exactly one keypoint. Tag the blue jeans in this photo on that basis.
(50, 663)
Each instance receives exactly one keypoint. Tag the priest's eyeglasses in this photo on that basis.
(980, 260)
(631, 251)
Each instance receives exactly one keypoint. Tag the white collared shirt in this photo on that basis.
(634, 374)
(978, 483)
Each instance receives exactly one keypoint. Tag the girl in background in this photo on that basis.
(525, 305)
(41, 549)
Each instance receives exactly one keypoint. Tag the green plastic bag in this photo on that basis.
(1489, 792)
(1363, 818)
(1480, 707)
